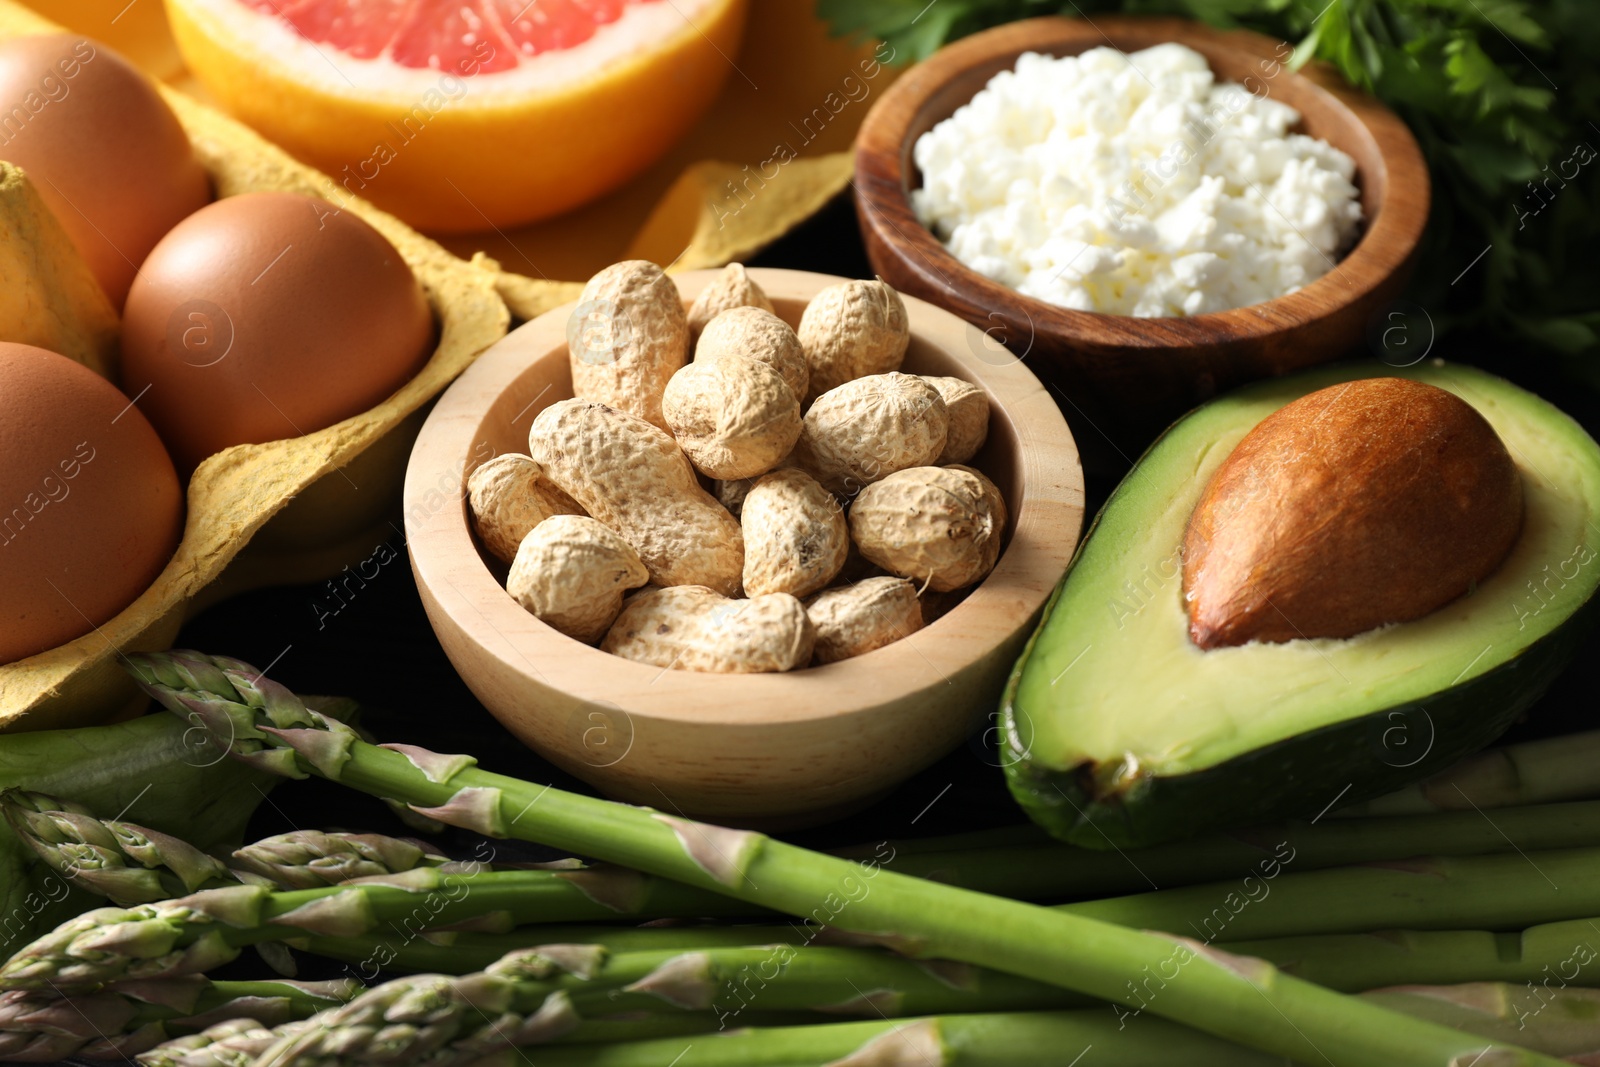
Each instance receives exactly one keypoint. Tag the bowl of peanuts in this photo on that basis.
(747, 545)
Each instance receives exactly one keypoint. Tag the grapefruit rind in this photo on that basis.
(454, 153)
(269, 41)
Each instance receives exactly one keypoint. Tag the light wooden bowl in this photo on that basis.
(770, 750)
(1126, 378)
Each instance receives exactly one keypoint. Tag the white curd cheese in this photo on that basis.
(1135, 185)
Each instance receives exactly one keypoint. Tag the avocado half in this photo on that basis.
(1120, 732)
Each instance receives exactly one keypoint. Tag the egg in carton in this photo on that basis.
(259, 514)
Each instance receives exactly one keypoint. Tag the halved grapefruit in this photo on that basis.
(460, 115)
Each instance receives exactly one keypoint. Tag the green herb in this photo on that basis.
(1503, 96)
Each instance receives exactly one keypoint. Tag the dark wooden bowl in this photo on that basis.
(1121, 379)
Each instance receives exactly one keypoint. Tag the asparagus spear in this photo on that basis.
(1565, 768)
(1533, 772)
(1562, 952)
(307, 859)
(118, 860)
(453, 952)
(1012, 1039)
(119, 1021)
(265, 725)
(1496, 892)
(438, 1019)
(129, 864)
(132, 865)
(242, 1042)
(1561, 1021)
(1346, 962)
(230, 1043)
(1061, 872)
(190, 935)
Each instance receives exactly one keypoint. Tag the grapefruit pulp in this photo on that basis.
(461, 115)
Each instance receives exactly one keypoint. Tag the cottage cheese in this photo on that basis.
(1135, 185)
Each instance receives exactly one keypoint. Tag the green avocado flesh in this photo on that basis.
(1119, 731)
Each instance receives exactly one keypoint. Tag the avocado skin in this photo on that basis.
(1263, 784)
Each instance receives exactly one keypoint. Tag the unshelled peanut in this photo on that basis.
(760, 335)
(634, 478)
(851, 330)
(968, 408)
(627, 337)
(733, 417)
(939, 526)
(858, 618)
(692, 628)
(572, 572)
(795, 535)
(509, 496)
(869, 428)
(733, 288)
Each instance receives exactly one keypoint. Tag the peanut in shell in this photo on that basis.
(759, 335)
(795, 535)
(509, 496)
(937, 526)
(571, 572)
(733, 288)
(851, 330)
(627, 337)
(869, 428)
(855, 619)
(692, 628)
(968, 408)
(633, 478)
(733, 417)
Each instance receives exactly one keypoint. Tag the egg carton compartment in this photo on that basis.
(283, 511)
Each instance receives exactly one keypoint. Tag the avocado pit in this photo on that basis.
(1366, 503)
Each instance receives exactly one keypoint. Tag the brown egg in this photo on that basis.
(90, 506)
(101, 146)
(266, 316)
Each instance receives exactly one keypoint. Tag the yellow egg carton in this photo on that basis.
(294, 510)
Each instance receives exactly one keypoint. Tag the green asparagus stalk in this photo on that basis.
(1556, 1020)
(132, 865)
(265, 725)
(461, 952)
(1532, 772)
(241, 1042)
(1563, 951)
(1013, 1039)
(118, 860)
(1565, 768)
(1057, 871)
(1060, 872)
(190, 935)
(230, 1043)
(1566, 953)
(1505, 891)
(309, 859)
(788, 978)
(445, 1021)
(129, 864)
(119, 1021)
(1561, 1023)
